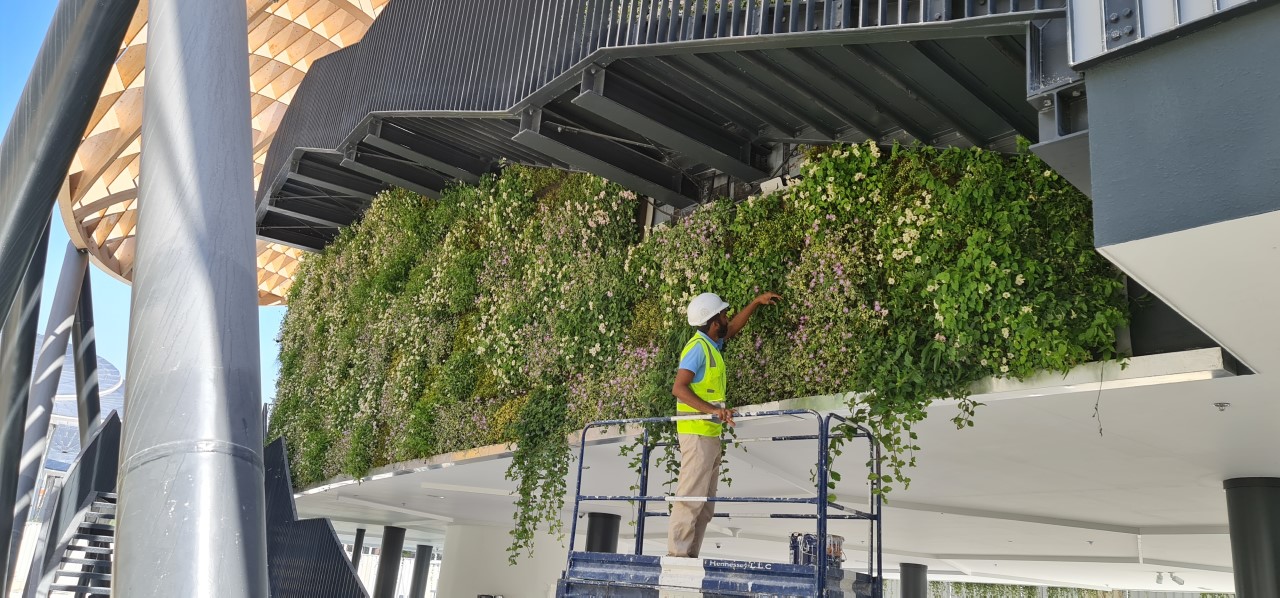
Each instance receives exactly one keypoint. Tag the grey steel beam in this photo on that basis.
(52, 113)
(44, 387)
(1008, 112)
(700, 77)
(665, 125)
(781, 88)
(389, 555)
(395, 140)
(828, 94)
(17, 352)
(387, 170)
(191, 514)
(589, 154)
(321, 221)
(857, 90)
(323, 184)
(294, 239)
(421, 571)
(919, 93)
(85, 349)
(731, 85)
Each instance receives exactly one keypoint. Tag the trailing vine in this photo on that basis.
(518, 309)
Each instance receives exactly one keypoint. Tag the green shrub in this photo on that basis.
(522, 307)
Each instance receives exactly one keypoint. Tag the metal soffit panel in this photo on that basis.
(653, 101)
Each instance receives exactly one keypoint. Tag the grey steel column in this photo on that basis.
(17, 351)
(44, 387)
(602, 532)
(77, 54)
(384, 585)
(1253, 518)
(357, 548)
(85, 348)
(421, 570)
(915, 580)
(191, 514)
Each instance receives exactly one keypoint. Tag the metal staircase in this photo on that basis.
(84, 567)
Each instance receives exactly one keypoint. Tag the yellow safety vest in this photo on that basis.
(710, 389)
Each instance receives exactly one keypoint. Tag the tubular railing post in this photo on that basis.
(644, 490)
(52, 114)
(17, 351)
(44, 387)
(823, 424)
(390, 553)
(191, 513)
(84, 346)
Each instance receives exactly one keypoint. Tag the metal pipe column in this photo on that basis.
(191, 513)
(17, 351)
(44, 387)
(79, 49)
(421, 571)
(1253, 518)
(357, 549)
(915, 580)
(85, 348)
(384, 585)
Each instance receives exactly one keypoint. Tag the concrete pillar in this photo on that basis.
(1253, 517)
(602, 532)
(17, 351)
(915, 580)
(389, 562)
(191, 514)
(475, 563)
(421, 570)
(357, 549)
(44, 387)
(85, 348)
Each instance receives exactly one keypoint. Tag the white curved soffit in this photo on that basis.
(98, 201)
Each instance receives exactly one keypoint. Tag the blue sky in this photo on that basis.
(21, 33)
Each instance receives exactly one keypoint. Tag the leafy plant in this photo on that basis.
(518, 309)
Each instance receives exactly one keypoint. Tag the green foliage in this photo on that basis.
(518, 309)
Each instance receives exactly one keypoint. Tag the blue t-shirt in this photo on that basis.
(696, 359)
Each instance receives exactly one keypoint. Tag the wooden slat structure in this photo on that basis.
(99, 200)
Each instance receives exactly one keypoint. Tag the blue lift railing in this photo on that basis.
(821, 502)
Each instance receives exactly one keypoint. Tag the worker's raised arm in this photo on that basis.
(740, 320)
(685, 395)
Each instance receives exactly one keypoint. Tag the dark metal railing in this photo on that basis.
(821, 500)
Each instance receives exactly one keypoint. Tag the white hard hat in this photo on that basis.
(704, 307)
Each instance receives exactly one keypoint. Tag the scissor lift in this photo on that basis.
(637, 575)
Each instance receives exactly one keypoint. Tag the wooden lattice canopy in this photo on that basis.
(98, 202)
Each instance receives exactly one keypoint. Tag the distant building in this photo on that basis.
(64, 432)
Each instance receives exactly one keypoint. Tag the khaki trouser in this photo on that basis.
(699, 475)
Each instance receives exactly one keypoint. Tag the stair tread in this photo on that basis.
(86, 590)
(94, 537)
(90, 549)
(97, 527)
(84, 574)
(91, 562)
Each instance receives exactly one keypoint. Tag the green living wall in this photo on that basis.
(518, 309)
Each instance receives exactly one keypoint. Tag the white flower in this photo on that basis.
(891, 281)
(1004, 332)
(1004, 369)
(1026, 309)
(982, 362)
(1006, 295)
(1018, 280)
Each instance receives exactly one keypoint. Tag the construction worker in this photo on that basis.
(700, 388)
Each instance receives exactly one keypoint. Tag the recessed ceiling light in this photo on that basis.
(435, 496)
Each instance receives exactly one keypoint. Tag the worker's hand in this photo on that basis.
(768, 299)
(726, 416)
